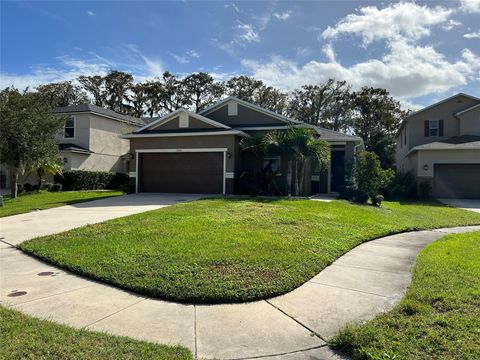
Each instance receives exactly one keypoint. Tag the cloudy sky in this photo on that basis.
(420, 51)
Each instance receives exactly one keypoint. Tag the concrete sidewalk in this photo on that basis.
(17, 228)
(465, 204)
(364, 282)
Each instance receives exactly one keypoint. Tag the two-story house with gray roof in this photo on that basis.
(440, 145)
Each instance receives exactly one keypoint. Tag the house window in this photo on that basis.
(69, 128)
(433, 128)
(272, 163)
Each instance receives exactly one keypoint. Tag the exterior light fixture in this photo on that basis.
(425, 167)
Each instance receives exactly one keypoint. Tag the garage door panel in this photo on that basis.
(200, 173)
(457, 181)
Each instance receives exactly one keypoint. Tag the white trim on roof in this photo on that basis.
(180, 134)
(172, 115)
(249, 105)
(467, 110)
(130, 122)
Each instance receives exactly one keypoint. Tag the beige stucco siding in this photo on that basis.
(430, 157)
(470, 122)
(94, 162)
(82, 131)
(106, 136)
(245, 116)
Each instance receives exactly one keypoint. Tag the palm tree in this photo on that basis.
(298, 144)
(46, 166)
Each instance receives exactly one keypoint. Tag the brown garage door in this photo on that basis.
(196, 173)
(457, 181)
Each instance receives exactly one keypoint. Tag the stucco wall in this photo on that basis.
(470, 122)
(94, 162)
(82, 131)
(192, 124)
(105, 136)
(246, 116)
(432, 157)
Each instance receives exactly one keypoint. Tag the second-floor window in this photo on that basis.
(69, 128)
(433, 128)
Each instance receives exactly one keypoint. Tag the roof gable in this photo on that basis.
(175, 115)
(271, 115)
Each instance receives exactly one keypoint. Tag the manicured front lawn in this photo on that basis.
(46, 200)
(25, 337)
(439, 317)
(231, 250)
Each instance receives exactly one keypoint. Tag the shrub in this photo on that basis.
(370, 178)
(403, 186)
(424, 190)
(20, 188)
(91, 180)
(27, 187)
(35, 187)
(360, 196)
(55, 188)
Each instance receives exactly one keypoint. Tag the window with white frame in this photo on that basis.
(69, 128)
(433, 128)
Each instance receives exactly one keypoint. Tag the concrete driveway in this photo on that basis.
(466, 204)
(17, 228)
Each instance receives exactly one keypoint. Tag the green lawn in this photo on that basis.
(25, 337)
(439, 317)
(46, 200)
(220, 250)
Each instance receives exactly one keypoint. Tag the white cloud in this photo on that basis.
(180, 59)
(329, 53)
(233, 6)
(247, 33)
(193, 54)
(407, 20)
(91, 13)
(470, 6)
(473, 35)
(282, 16)
(68, 67)
(451, 24)
(407, 71)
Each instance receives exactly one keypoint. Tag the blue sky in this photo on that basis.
(419, 51)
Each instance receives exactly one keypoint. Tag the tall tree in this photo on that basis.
(28, 132)
(117, 84)
(376, 118)
(62, 94)
(202, 90)
(172, 94)
(95, 86)
(324, 105)
(138, 100)
(256, 92)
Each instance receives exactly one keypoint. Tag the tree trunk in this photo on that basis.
(289, 177)
(302, 176)
(40, 176)
(13, 182)
(296, 177)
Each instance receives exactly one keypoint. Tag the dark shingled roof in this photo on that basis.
(328, 134)
(98, 110)
(73, 147)
(457, 142)
(180, 131)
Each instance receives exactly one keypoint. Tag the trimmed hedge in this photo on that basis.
(91, 180)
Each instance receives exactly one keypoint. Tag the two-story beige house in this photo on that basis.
(91, 139)
(440, 144)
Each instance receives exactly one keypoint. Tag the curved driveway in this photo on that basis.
(367, 280)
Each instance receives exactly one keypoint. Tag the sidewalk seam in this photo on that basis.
(297, 321)
(114, 313)
(345, 288)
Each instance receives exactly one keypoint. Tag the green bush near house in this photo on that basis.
(439, 317)
(228, 250)
(73, 180)
(24, 337)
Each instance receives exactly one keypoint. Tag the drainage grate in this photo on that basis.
(17, 293)
(45, 273)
